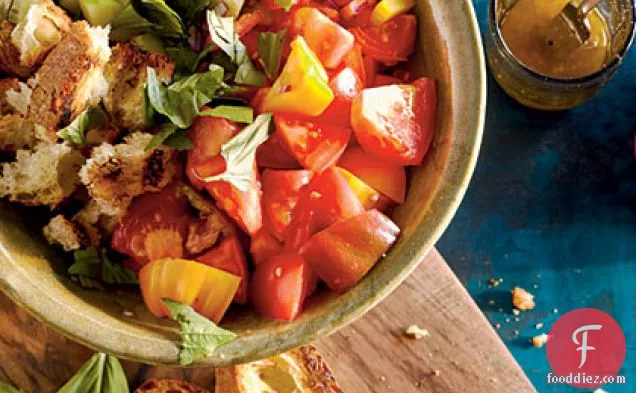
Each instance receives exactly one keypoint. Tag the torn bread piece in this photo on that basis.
(9, 54)
(65, 233)
(126, 74)
(71, 78)
(18, 133)
(43, 176)
(115, 174)
(6, 85)
(42, 28)
(301, 370)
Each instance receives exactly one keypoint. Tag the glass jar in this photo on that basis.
(546, 93)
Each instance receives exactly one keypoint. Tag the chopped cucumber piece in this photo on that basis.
(100, 12)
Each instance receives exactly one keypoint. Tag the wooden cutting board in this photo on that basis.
(462, 354)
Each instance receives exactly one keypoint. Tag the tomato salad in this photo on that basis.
(348, 121)
(285, 145)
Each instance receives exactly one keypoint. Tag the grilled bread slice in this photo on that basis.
(126, 76)
(71, 78)
(301, 370)
(169, 386)
(115, 174)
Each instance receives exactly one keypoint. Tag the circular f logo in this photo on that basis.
(586, 343)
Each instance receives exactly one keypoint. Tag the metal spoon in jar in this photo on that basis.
(570, 28)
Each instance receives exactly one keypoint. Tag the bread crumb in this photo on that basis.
(540, 340)
(435, 373)
(515, 311)
(522, 299)
(539, 325)
(497, 326)
(491, 302)
(516, 332)
(599, 390)
(555, 311)
(416, 332)
(382, 378)
(128, 313)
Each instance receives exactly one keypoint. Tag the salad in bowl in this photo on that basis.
(213, 152)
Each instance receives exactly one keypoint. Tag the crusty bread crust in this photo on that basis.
(169, 386)
(126, 76)
(62, 76)
(9, 54)
(307, 368)
(7, 84)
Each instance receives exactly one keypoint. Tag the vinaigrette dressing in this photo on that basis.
(523, 29)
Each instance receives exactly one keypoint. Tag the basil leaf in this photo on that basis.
(129, 24)
(188, 9)
(87, 120)
(6, 388)
(286, 4)
(166, 131)
(200, 337)
(239, 114)
(270, 49)
(181, 101)
(240, 153)
(95, 264)
(100, 374)
(160, 14)
(179, 141)
(223, 35)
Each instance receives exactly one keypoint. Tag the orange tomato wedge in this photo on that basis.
(206, 289)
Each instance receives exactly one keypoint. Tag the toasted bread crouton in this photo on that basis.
(7, 84)
(9, 54)
(18, 133)
(43, 176)
(71, 78)
(114, 175)
(60, 231)
(126, 75)
(19, 98)
(42, 28)
(301, 370)
(169, 386)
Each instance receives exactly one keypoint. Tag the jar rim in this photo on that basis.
(607, 67)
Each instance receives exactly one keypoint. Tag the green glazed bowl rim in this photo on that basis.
(162, 348)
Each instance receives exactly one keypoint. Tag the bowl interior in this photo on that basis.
(449, 49)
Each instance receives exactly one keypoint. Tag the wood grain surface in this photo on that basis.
(463, 354)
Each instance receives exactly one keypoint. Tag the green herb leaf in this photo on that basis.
(223, 35)
(239, 114)
(179, 141)
(129, 24)
(94, 264)
(200, 337)
(6, 388)
(188, 9)
(286, 4)
(166, 131)
(270, 49)
(240, 153)
(160, 14)
(87, 120)
(100, 374)
(181, 101)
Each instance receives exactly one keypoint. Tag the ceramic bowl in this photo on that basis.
(449, 49)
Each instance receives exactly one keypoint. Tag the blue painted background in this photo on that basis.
(552, 208)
